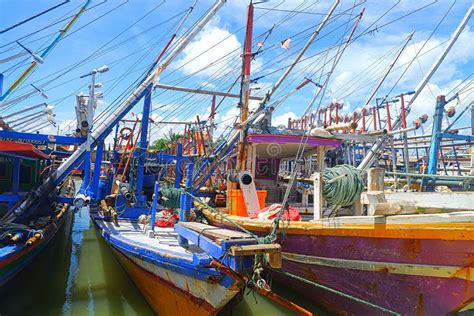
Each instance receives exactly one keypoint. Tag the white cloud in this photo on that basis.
(354, 75)
(283, 119)
(204, 54)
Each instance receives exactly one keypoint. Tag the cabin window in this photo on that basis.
(3, 170)
(25, 174)
(267, 168)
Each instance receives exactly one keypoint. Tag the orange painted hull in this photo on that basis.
(164, 298)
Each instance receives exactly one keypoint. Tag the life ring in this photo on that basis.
(125, 132)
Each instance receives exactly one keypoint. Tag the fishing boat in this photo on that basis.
(27, 159)
(371, 252)
(390, 253)
(181, 268)
(22, 166)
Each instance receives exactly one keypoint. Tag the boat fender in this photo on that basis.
(37, 235)
(16, 237)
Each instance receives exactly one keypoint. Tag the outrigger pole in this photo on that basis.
(223, 150)
(48, 49)
(103, 130)
(369, 158)
(389, 69)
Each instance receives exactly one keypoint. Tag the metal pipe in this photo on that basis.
(367, 161)
(25, 122)
(255, 116)
(303, 50)
(202, 91)
(154, 205)
(389, 69)
(104, 128)
(437, 176)
(23, 111)
(48, 49)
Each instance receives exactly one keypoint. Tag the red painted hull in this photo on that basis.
(409, 269)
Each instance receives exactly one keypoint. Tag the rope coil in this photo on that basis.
(343, 185)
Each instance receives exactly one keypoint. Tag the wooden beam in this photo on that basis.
(214, 232)
(202, 91)
(250, 250)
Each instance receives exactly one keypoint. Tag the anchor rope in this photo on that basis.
(359, 300)
(260, 240)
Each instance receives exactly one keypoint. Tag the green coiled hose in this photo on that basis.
(343, 184)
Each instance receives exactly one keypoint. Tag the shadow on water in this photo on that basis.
(77, 274)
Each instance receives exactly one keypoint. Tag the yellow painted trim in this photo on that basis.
(439, 271)
(409, 230)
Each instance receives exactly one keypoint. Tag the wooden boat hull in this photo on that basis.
(412, 265)
(163, 297)
(170, 289)
(15, 257)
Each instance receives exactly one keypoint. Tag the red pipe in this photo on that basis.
(354, 120)
(363, 111)
(404, 115)
(374, 114)
(330, 114)
(189, 141)
(389, 119)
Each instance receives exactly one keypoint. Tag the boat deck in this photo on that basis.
(139, 235)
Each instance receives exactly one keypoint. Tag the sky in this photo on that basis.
(128, 35)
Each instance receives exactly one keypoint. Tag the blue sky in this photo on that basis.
(128, 45)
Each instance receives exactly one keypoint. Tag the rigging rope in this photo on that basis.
(291, 275)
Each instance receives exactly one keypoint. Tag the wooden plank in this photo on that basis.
(274, 260)
(249, 191)
(448, 200)
(214, 232)
(249, 250)
(406, 207)
(318, 196)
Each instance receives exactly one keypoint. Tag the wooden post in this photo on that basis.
(321, 153)
(318, 196)
(375, 179)
(252, 158)
(471, 172)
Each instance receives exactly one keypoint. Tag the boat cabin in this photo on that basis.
(21, 167)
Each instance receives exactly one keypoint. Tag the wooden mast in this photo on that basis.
(245, 89)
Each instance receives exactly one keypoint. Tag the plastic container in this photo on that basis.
(237, 203)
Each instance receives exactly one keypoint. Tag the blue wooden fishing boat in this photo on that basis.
(23, 237)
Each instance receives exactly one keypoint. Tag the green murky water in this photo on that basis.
(77, 274)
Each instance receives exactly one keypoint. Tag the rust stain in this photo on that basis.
(420, 308)
(411, 248)
(213, 279)
(466, 273)
(383, 269)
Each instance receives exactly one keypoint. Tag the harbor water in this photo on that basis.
(77, 274)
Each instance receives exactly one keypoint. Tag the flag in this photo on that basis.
(286, 43)
(158, 71)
